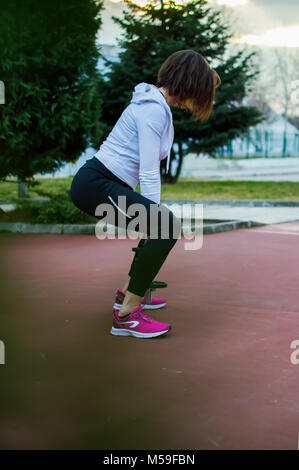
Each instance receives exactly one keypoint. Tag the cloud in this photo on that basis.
(283, 12)
(232, 3)
(284, 36)
(256, 22)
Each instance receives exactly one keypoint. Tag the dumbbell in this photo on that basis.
(154, 285)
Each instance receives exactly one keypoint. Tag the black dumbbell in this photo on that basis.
(154, 285)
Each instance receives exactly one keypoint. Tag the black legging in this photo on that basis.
(94, 184)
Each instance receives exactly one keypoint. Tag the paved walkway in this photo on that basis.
(222, 378)
(265, 215)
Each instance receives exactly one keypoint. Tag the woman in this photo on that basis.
(140, 139)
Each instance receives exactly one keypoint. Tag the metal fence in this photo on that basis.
(262, 143)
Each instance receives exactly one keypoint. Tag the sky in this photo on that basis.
(269, 27)
(264, 23)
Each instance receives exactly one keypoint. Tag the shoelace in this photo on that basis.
(140, 314)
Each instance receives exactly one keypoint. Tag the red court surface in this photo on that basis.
(221, 379)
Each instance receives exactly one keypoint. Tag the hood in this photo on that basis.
(148, 92)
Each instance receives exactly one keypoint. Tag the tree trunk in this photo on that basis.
(284, 144)
(22, 189)
(166, 177)
(179, 167)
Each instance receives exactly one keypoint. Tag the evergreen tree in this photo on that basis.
(48, 65)
(153, 32)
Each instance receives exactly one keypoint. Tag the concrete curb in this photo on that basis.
(21, 227)
(89, 229)
(226, 226)
(219, 202)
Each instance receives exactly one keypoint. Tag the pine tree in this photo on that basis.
(48, 64)
(153, 32)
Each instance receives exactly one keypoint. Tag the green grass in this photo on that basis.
(203, 189)
(62, 210)
(46, 187)
(184, 189)
(18, 215)
(50, 212)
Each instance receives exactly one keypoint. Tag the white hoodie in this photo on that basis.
(140, 139)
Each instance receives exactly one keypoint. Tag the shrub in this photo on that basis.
(59, 210)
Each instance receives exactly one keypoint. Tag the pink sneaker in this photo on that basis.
(157, 302)
(138, 324)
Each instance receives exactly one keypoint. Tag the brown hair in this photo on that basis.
(187, 75)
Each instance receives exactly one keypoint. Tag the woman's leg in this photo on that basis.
(125, 287)
(90, 188)
(141, 243)
(154, 253)
(138, 248)
(150, 258)
(130, 302)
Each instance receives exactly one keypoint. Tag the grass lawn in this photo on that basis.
(184, 189)
(204, 189)
(46, 187)
(64, 211)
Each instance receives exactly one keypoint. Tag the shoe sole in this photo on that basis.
(124, 332)
(146, 306)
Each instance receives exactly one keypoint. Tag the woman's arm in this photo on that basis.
(151, 122)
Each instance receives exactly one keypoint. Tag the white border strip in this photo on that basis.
(109, 197)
